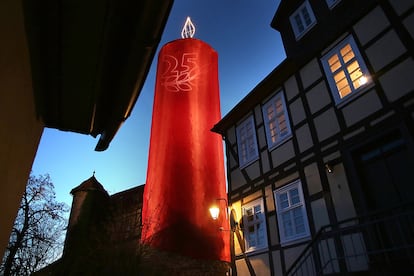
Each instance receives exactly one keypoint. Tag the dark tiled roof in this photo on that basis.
(90, 184)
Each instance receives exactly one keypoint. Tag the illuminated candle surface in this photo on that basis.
(186, 165)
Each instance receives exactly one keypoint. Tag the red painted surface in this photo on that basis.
(186, 165)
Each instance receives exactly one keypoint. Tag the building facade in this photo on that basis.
(320, 153)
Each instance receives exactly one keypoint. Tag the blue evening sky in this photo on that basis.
(248, 50)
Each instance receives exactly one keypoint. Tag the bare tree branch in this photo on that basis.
(37, 236)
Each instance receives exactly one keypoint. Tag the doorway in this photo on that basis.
(384, 189)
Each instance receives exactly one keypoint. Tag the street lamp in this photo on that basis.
(215, 209)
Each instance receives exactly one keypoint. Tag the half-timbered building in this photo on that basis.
(320, 154)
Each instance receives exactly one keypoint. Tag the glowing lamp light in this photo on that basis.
(363, 80)
(214, 212)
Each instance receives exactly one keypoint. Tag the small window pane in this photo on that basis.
(342, 84)
(298, 218)
(279, 105)
(251, 229)
(249, 214)
(284, 203)
(270, 113)
(358, 82)
(260, 233)
(347, 53)
(283, 126)
(299, 24)
(334, 63)
(339, 76)
(294, 196)
(306, 16)
(345, 91)
(252, 236)
(257, 209)
(287, 224)
(352, 68)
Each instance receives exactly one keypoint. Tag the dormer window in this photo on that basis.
(302, 20)
(332, 3)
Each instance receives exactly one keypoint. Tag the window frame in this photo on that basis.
(250, 158)
(261, 220)
(299, 12)
(332, 3)
(343, 67)
(296, 237)
(281, 137)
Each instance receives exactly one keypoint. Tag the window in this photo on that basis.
(302, 20)
(276, 120)
(246, 142)
(332, 3)
(345, 69)
(291, 213)
(254, 225)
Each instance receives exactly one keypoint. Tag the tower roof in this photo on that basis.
(91, 184)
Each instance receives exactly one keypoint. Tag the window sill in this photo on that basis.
(280, 143)
(304, 32)
(252, 252)
(294, 241)
(248, 163)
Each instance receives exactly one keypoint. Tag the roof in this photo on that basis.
(91, 184)
(269, 84)
(90, 60)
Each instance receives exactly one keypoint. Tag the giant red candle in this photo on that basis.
(186, 165)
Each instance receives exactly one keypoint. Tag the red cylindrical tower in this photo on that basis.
(186, 164)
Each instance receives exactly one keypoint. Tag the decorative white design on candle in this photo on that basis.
(179, 75)
(188, 30)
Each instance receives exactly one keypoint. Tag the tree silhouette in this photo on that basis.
(38, 232)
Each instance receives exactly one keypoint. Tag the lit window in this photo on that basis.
(291, 213)
(302, 20)
(246, 142)
(276, 120)
(254, 225)
(345, 69)
(332, 3)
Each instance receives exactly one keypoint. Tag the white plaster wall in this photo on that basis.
(385, 50)
(371, 25)
(318, 97)
(399, 80)
(319, 213)
(326, 124)
(310, 73)
(291, 88)
(20, 129)
(304, 138)
(341, 195)
(401, 6)
(362, 107)
(282, 153)
(313, 179)
(297, 112)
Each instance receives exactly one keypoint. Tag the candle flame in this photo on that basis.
(188, 30)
